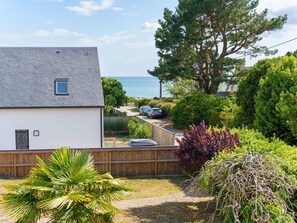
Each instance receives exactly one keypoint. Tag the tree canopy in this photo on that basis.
(113, 92)
(274, 101)
(180, 88)
(198, 40)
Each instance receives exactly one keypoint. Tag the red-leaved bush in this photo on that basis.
(200, 144)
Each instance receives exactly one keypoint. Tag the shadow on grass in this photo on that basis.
(174, 212)
(181, 181)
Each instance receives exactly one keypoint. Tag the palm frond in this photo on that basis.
(67, 188)
(21, 204)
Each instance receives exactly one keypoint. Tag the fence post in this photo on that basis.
(156, 164)
(14, 165)
(110, 160)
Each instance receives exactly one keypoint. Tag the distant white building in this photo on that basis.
(50, 97)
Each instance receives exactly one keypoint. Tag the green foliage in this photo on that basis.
(280, 78)
(288, 109)
(248, 88)
(180, 88)
(166, 105)
(196, 108)
(143, 102)
(252, 140)
(198, 39)
(138, 130)
(68, 190)
(292, 53)
(113, 92)
(109, 112)
(249, 187)
(115, 125)
(230, 116)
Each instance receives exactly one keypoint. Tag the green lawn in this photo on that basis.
(153, 187)
(196, 209)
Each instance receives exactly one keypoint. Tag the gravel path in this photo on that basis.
(151, 201)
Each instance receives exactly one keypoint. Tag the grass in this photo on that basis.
(154, 187)
(193, 209)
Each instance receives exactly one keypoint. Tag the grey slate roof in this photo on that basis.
(27, 77)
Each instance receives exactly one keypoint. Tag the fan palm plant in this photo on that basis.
(67, 190)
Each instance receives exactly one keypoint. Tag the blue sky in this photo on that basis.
(123, 30)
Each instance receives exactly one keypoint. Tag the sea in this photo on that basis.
(142, 87)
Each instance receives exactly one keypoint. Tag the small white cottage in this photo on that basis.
(50, 97)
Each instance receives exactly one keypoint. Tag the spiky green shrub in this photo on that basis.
(249, 188)
(66, 190)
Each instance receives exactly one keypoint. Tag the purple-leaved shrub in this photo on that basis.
(200, 144)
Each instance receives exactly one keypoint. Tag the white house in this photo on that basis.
(50, 97)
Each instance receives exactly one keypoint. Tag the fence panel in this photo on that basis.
(120, 162)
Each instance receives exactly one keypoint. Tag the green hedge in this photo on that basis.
(116, 125)
(138, 130)
(252, 140)
(166, 105)
(198, 107)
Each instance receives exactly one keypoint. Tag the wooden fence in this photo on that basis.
(120, 162)
(161, 135)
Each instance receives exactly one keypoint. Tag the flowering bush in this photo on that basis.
(200, 144)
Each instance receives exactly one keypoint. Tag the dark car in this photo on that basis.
(154, 113)
(144, 109)
(142, 142)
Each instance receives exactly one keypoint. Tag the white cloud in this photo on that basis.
(277, 5)
(151, 26)
(288, 32)
(118, 9)
(89, 7)
(41, 33)
(57, 33)
(116, 37)
(85, 39)
(139, 45)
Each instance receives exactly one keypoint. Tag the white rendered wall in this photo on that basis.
(71, 127)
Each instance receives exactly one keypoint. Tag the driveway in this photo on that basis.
(165, 123)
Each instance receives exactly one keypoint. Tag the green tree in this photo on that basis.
(114, 95)
(66, 190)
(292, 53)
(180, 88)
(198, 40)
(280, 79)
(248, 88)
